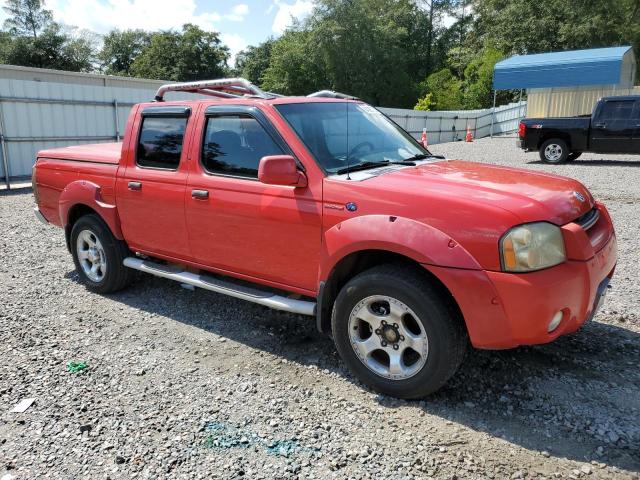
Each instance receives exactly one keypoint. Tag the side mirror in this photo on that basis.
(281, 170)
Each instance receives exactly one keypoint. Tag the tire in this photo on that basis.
(92, 243)
(425, 313)
(573, 155)
(554, 151)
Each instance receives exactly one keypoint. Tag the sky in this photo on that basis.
(240, 22)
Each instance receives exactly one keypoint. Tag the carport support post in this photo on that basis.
(5, 158)
(493, 113)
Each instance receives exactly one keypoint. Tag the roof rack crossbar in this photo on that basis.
(235, 87)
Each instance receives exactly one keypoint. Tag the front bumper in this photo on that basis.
(505, 310)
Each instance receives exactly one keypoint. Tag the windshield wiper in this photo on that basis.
(367, 165)
(421, 156)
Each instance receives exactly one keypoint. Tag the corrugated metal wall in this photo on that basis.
(449, 126)
(38, 115)
(567, 102)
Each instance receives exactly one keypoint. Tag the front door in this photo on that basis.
(612, 127)
(150, 190)
(239, 225)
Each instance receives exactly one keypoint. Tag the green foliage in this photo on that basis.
(26, 17)
(445, 89)
(54, 47)
(192, 54)
(120, 49)
(532, 26)
(254, 61)
(33, 39)
(295, 67)
(478, 79)
(424, 103)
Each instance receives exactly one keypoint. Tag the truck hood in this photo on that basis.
(530, 196)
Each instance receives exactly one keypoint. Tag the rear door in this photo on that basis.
(636, 129)
(150, 192)
(612, 126)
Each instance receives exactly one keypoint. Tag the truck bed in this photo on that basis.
(57, 167)
(94, 152)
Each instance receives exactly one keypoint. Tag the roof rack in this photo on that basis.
(332, 94)
(223, 87)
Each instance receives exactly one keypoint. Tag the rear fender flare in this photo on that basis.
(416, 240)
(82, 192)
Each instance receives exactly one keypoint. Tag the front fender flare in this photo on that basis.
(416, 240)
(82, 192)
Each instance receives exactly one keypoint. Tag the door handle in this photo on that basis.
(135, 185)
(600, 125)
(200, 194)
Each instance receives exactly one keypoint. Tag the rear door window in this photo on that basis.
(234, 145)
(617, 110)
(160, 142)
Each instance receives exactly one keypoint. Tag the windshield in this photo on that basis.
(345, 135)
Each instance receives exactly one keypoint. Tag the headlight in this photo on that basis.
(530, 247)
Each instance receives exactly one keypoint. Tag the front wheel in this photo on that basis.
(98, 256)
(397, 333)
(554, 151)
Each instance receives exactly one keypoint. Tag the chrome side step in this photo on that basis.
(255, 295)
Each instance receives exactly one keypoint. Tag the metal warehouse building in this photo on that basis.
(568, 83)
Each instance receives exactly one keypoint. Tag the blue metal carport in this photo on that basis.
(597, 66)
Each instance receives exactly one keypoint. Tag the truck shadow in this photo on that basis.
(577, 398)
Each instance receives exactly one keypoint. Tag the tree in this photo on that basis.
(295, 66)
(478, 79)
(120, 48)
(367, 47)
(445, 89)
(26, 17)
(254, 61)
(191, 54)
(54, 47)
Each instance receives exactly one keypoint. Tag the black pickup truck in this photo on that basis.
(613, 127)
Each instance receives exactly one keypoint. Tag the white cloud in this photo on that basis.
(103, 15)
(235, 43)
(237, 13)
(287, 12)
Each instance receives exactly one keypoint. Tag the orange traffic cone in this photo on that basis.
(423, 140)
(469, 136)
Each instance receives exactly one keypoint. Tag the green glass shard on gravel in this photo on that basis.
(75, 367)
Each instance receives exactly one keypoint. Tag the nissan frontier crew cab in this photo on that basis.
(324, 207)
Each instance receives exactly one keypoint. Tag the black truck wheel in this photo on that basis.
(396, 332)
(554, 150)
(98, 256)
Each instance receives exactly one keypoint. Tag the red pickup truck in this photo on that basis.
(322, 206)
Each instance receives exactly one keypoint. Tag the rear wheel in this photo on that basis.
(554, 151)
(98, 255)
(396, 332)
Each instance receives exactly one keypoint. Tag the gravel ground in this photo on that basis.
(191, 384)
